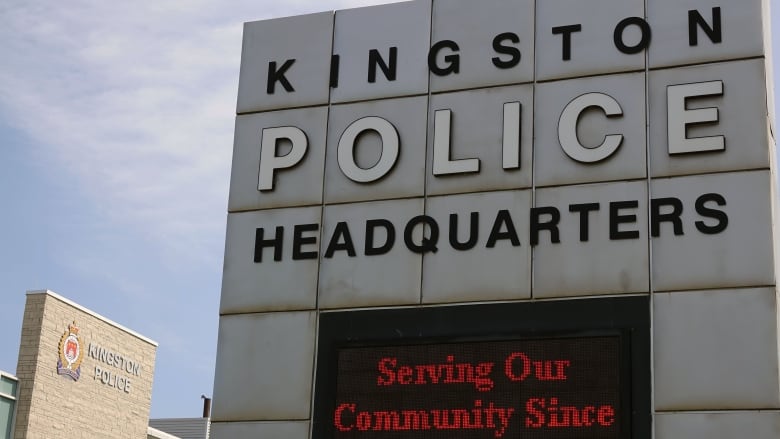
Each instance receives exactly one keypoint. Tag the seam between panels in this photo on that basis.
(314, 361)
(428, 109)
(648, 193)
(532, 262)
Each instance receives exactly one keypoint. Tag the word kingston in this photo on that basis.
(380, 234)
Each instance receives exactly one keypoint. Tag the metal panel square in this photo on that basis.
(481, 124)
(476, 27)
(405, 26)
(389, 278)
(563, 157)
(493, 261)
(305, 39)
(254, 430)
(288, 284)
(740, 118)
(737, 33)
(716, 350)
(718, 425)
(406, 176)
(265, 364)
(300, 184)
(718, 236)
(602, 246)
(589, 27)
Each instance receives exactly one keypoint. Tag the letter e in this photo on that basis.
(679, 117)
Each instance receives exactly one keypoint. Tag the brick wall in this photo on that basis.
(56, 406)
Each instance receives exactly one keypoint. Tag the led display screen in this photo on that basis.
(531, 388)
(535, 371)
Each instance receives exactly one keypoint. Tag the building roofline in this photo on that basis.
(92, 313)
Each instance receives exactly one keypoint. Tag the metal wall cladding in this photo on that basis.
(356, 280)
(484, 176)
(278, 41)
(264, 364)
(407, 178)
(742, 119)
(269, 284)
(718, 424)
(554, 167)
(403, 28)
(458, 21)
(670, 27)
(299, 188)
(285, 429)
(728, 337)
(589, 37)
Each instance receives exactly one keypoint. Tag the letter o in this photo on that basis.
(509, 366)
(390, 149)
(644, 42)
(567, 128)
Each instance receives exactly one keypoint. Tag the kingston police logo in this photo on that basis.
(70, 354)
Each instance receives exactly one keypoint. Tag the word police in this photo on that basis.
(108, 375)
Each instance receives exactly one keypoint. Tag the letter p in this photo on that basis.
(270, 162)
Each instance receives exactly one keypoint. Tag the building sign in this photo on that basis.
(114, 369)
(448, 202)
(459, 146)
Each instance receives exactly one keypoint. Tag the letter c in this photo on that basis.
(567, 128)
(337, 417)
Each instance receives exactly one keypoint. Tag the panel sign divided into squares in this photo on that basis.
(451, 154)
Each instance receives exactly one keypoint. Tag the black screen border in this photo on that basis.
(628, 317)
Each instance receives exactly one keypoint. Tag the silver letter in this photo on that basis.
(390, 149)
(269, 161)
(441, 148)
(679, 117)
(511, 146)
(567, 128)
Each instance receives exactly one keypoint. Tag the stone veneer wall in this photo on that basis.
(55, 406)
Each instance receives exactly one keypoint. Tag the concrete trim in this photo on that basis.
(92, 313)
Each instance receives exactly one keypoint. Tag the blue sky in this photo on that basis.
(116, 132)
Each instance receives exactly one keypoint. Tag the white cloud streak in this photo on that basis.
(137, 100)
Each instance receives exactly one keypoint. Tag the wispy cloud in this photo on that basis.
(136, 100)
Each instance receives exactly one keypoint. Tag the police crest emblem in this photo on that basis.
(70, 353)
